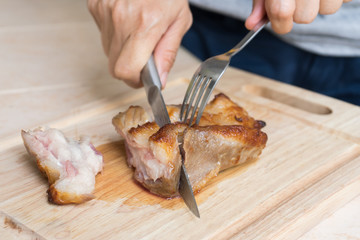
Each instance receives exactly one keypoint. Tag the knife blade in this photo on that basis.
(151, 81)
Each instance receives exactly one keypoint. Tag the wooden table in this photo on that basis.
(53, 70)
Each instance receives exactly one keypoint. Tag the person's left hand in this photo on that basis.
(283, 13)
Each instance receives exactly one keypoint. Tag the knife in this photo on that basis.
(150, 78)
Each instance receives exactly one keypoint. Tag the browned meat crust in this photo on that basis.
(226, 136)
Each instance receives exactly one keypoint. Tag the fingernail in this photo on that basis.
(163, 79)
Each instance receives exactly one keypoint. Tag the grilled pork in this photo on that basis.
(226, 136)
(69, 165)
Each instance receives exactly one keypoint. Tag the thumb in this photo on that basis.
(257, 14)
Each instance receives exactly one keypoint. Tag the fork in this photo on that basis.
(208, 74)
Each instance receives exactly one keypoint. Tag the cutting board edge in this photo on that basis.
(285, 195)
(350, 188)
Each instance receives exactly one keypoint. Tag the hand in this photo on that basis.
(283, 13)
(131, 30)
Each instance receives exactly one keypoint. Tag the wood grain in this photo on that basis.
(309, 167)
(116, 181)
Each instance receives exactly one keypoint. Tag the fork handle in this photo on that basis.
(247, 38)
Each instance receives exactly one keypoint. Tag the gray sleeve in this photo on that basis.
(333, 35)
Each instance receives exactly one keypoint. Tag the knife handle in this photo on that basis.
(149, 74)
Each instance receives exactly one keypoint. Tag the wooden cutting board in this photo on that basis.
(309, 168)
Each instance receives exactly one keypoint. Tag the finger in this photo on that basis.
(166, 49)
(329, 6)
(93, 9)
(306, 11)
(120, 33)
(345, 1)
(257, 14)
(107, 27)
(134, 54)
(114, 52)
(280, 14)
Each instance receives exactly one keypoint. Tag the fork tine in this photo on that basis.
(187, 95)
(199, 97)
(194, 93)
(205, 99)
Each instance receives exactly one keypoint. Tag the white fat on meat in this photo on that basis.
(70, 165)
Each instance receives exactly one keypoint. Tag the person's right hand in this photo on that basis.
(131, 30)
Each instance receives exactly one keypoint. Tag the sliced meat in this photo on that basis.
(153, 152)
(211, 149)
(69, 165)
(226, 136)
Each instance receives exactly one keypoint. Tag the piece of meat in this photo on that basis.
(211, 149)
(69, 165)
(222, 111)
(153, 152)
(226, 136)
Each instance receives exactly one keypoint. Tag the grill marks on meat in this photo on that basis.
(69, 165)
(226, 136)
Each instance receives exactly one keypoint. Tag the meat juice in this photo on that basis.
(116, 181)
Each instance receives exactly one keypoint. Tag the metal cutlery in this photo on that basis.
(207, 75)
(150, 78)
